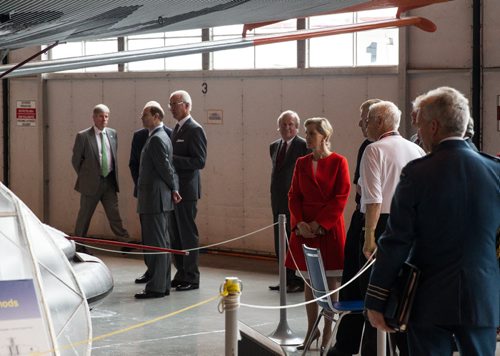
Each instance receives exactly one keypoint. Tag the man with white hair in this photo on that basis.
(95, 162)
(284, 153)
(380, 169)
(157, 192)
(444, 218)
(190, 152)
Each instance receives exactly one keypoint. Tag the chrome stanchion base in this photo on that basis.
(284, 336)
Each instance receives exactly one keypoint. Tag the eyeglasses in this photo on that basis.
(175, 104)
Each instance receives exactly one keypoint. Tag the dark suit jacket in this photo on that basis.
(85, 160)
(281, 178)
(444, 216)
(138, 141)
(157, 178)
(190, 153)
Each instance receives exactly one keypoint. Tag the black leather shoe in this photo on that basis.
(146, 295)
(294, 288)
(186, 286)
(175, 283)
(274, 287)
(143, 279)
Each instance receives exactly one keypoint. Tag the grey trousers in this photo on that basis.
(155, 233)
(106, 194)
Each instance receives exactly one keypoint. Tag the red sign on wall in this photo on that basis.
(26, 113)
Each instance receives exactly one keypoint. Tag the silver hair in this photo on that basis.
(388, 111)
(368, 103)
(322, 125)
(99, 108)
(295, 117)
(185, 97)
(447, 106)
(469, 131)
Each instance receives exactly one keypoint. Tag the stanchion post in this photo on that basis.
(231, 299)
(283, 335)
(381, 343)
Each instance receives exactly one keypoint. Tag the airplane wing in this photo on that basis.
(27, 22)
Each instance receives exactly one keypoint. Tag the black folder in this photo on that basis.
(401, 298)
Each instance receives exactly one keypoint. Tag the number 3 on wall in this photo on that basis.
(204, 87)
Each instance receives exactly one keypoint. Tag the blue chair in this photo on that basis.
(329, 308)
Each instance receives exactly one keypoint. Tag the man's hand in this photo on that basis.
(176, 197)
(369, 246)
(377, 321)
(305, 230)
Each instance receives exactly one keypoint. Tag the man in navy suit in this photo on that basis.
(190, 153)
(284, 153)
(444, 216)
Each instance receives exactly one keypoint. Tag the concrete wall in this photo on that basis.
(235, 182)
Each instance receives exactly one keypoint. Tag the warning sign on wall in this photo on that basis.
(26, 113)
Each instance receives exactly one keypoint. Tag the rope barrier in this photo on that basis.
(126, 244)
(363, 270)
(79, 240)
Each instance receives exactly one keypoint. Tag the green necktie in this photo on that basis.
(104, 163)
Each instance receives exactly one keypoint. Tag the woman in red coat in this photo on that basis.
(316, 199)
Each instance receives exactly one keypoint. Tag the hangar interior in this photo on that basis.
(235, 181)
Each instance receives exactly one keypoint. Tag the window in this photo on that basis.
(376, 47)
(155, 40)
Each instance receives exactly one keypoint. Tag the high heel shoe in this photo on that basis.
(316, 336)
(325, 342)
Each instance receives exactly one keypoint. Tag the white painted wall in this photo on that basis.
(235, 181)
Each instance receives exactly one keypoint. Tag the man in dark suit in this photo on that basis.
(443, 219)
(284, 153)
(95, 163)
(157, 191)
(138, 141)
(190, 152)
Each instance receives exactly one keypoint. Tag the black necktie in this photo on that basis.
(176, 130)
(281, 155)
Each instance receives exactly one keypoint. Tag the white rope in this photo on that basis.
(188, 250)
(367, 265)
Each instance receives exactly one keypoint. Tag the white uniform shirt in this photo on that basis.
(381, 167)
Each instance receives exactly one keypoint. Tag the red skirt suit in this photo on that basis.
(320, 197)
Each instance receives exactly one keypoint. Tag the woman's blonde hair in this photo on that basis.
(322, 125)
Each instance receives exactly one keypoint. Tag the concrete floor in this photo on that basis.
(199, 330)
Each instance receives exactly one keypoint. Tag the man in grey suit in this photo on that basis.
(157, 191)
(190, 151)
(95, 163)
(284, 153)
